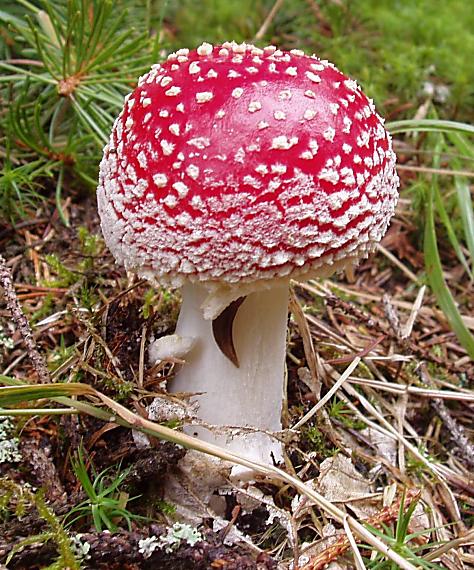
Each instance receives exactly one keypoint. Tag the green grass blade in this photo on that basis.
(429, 125)
(467, 212)
(15, 394)
(453, 239)
(437, 282)
(439, 201)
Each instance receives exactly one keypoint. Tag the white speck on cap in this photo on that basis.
(167, 147)
(181, 189)
(313, 145)
(329, 134)
(285, 95)
(200, 142)
(142, 160)
(193, 171)
(204, 49)
(254, 106)
(194, 68)
(173, 91)
(292, 71)
(351, 84)
(278, 168)
(252, 181)
(204, 96)
(282, 142)
(330, 175)
(170, 201)
(160, 179)
(313, 77)
(240, 156)
(279, 115)
(309, 114)
(237, 92)
(262, 125)
(174, 128)
(239, 48)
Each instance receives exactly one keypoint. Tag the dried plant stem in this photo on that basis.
(460, 541)
(456, 431)
(343, 543)
(268, 20)
(398, 263)
(21, 322)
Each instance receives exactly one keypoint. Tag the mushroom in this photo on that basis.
(231, 170)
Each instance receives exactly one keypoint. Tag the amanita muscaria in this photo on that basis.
(231, 170)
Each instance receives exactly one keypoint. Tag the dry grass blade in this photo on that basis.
(462, 540)
(301, 321)
(429, 170)
(415, 390)
(398, 263)
(349, 370)
(268, 20)
(408, 327)
(350, 537)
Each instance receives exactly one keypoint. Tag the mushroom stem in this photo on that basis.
(248, 396)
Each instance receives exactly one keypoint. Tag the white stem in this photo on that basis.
(249, 396)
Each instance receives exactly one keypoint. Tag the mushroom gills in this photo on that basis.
(222, 327)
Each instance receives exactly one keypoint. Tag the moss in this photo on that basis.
(318, 442)
(15, 500)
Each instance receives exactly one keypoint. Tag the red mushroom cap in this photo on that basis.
(233, 163)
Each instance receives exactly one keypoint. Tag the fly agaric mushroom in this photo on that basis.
(230, 171)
